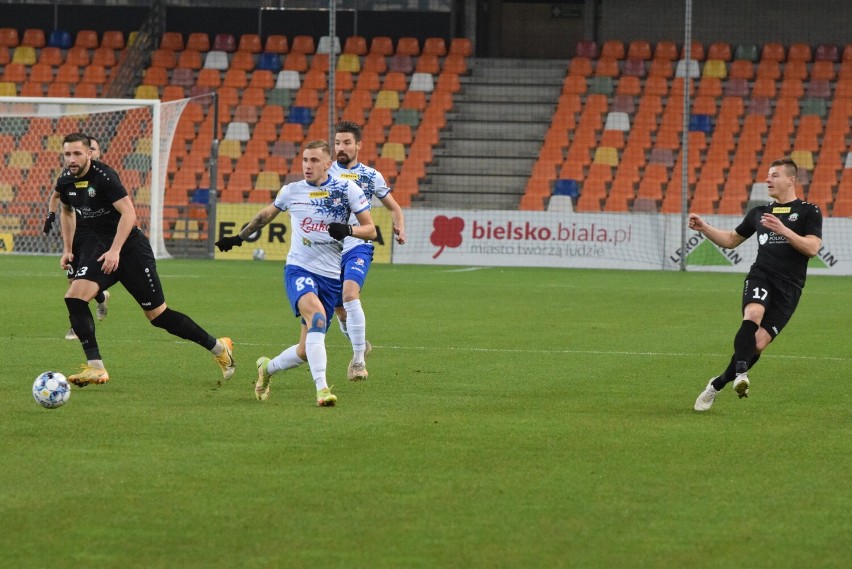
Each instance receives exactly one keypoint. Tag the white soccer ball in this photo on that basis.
(51, 389)
(258, 255)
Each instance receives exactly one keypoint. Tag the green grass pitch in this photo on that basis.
(513, 418)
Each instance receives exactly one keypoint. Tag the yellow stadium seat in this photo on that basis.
(606, 155)
(387, 100)
(147, 92)
(393, 150)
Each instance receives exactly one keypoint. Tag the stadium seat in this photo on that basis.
(87, 39)
(59, 38)
(587, 49)
(747, 51)
(277, 43)
(715, 68)
(104, 56)
(435, 46)
(190, 58)
(355, 45)
(24, 55)
(33, 37)
(198, 41)
(719, 50)
(329, 45)
(349, 62)
(113, 39)
(422, 82)
(296, 61)
(741, 69)
(224, 42)
(635, 68)
(660, 68)
(692, 70)
(216, 59)
(303, 44)
(146, 92)
(408, 46)
(300, 115)
(666, 50)
(696, 50)
(460, 46)
(172, 41)
(613, 48)
(607, 67)
(827, 52)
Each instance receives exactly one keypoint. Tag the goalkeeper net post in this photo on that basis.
(135, 136)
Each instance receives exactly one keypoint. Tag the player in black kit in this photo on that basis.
(789, 233)
(100, 236)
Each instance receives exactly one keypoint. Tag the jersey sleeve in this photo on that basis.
(358, 201)
(813, 223)
(747, 227)
(381, 186)
(112, 187)
(281, 200)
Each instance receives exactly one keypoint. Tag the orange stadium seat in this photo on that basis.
(198, 41)
(113, 39)
(33, 37)
(613, 48)
(639, 49)
(719, 50)
(87, 39)
(303, 44)
(462, 47)
(276, 43)
(356, 45)
(665, 50)
(408, 46)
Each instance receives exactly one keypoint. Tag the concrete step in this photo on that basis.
(466, 200)
(476, 148)
(499, 166)
(510, 92)
(463, 129)
(466, 182)
(503, 112)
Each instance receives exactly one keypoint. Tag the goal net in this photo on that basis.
(135, 138)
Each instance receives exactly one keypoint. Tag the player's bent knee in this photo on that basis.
(317, 323)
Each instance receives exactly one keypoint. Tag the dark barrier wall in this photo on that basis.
(236, 21)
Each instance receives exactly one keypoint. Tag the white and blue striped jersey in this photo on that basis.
(371, 182)
(312, 209)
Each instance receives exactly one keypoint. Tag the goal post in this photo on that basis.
(135, 136)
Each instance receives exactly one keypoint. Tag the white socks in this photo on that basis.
(356, 324)
(317, 357)
(285, 360)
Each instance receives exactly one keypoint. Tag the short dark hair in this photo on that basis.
(787, 162)
(95, 140)
(77, 137)
(350, 127)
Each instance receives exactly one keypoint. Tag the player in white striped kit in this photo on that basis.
(320, 207)
(357, 254)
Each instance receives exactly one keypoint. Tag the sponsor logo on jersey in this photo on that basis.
(781, 209)
(349, 176)
(318, 194)
(83, 184)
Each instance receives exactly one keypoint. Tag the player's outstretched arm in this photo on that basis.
(722, 238)
(259, 221)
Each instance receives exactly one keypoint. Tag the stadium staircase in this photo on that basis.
(493, 136)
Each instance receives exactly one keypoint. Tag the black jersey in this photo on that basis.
(776, 258)
(92, 197)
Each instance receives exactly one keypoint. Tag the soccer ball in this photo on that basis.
(51, 389)
(258, 255)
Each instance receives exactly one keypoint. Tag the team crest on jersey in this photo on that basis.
(91, 192)
(306, 242)
(81, 185)
(793, 217)
(780, 210)
(318, 194)
(359, 261)
(764, 237)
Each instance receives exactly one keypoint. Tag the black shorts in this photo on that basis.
(137, 269)
(777, 297)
